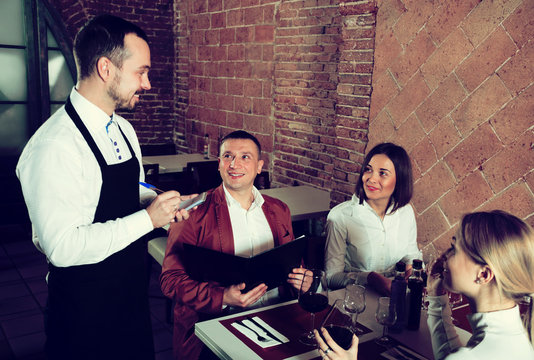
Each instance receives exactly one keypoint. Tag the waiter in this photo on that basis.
(80, 176)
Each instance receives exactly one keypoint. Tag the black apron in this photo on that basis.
(101, 311)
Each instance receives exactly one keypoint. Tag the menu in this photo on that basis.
(270, 267)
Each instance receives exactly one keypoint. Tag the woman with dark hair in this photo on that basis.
(370, 233)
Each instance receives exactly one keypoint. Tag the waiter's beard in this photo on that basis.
(121, 103)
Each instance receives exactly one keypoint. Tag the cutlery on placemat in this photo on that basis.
(259, 337)
(267, 332)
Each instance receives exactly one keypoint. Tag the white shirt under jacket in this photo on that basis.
(359, 241)
(496, 335)
(252, 235)
(61, 183)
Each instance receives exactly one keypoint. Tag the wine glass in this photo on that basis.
(313, 298)
(338, 323)
(455, 300)
(430, 255)
(354, 303)
(386, 314)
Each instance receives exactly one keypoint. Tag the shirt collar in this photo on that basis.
(92, 116)
(356, 201)
(258, 198)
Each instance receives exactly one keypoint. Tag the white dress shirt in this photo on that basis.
(496, 335)
(359, 241)
(61, 182)
(252, 234)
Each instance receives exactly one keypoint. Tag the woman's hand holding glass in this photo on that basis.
(329, 349)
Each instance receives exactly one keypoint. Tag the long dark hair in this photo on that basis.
(403, 171)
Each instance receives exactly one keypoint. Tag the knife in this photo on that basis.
(267, 332)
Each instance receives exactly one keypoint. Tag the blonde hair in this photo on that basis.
(506, 244)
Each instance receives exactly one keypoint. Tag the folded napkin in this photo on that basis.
(247, 328)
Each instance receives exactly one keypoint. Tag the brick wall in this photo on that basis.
(453, 84)
(316, 80)
(154, 117)
(296, 73)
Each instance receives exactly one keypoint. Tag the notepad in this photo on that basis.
(270, 267)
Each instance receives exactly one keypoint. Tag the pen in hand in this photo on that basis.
(151, 187)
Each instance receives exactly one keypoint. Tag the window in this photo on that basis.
(37, 70)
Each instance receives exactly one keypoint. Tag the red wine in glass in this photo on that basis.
(313, 302)
(341, 335)
(312, 298)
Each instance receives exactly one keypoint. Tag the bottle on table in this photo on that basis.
(206, 146)
(398, 297)
(415, 294)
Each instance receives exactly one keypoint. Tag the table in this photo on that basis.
(304, 202)
(228, 346)
(174, 163)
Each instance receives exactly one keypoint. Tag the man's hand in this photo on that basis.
(164, 208)
(232, 295)
(295, 279)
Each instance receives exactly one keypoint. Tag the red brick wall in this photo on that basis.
(155, 114)
(453, 84)
(297, 74)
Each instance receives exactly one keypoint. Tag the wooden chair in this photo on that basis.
(151, 173)
(203, 175)
(262, 181)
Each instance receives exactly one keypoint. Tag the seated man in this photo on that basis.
(234, 219)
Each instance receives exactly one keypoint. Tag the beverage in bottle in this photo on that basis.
(415, 293)
(206, 146)
(398, 296)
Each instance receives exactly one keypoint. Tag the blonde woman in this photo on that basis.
(491, 262)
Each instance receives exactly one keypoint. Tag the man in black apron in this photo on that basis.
(99, 309)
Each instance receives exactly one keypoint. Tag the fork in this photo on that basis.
(260, 338)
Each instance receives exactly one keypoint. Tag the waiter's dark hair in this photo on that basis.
(403, 173)
(240, 134)
(101, 36)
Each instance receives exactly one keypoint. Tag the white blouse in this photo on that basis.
(496, 335)
(359, 241)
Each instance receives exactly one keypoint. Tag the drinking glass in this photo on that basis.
(354, 303)
(338, 323)
(386, 314)
(430, 255)
(455, 300)
(313, 298)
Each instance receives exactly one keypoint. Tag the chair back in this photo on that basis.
(262, 181)
(158, 149)
(203, 175)
(151, 173)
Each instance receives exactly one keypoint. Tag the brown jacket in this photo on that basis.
(208, 226)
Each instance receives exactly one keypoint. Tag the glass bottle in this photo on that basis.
(398, 296)
(415, 294)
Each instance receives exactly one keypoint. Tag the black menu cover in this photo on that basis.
(270, 267)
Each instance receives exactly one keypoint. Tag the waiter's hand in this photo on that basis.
(232, 295)
(164, 208)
